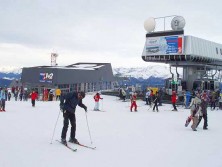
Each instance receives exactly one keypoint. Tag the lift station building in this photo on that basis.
(200, 59)
(87, 77)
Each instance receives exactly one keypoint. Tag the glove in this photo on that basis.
(85, 108)
(61, 108)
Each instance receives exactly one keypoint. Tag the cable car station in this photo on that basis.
(200, 59)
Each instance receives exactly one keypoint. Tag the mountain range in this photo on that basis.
(153, 74)
(143, 73)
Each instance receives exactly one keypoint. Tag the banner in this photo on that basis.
(46, 77)
(164, 45)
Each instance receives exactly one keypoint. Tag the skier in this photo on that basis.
(148, 97)
(9, 96)
(68, 103)
(16, 95)
(124, 95)
(195, 110)
(45, 94)
(133, 102)
(213, 100)
(173, 100)
(34, 96)
(203, 113)
(160, 96)
(3, 98)
(58, 93)
(156, 99)
(188, 95)
(97, 98)
(51, 95)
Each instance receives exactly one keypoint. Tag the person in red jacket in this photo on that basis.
(34, 96)
(173, 100)
(97, 98)
(133, 102)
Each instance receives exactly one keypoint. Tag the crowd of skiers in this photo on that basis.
(19, 94)
(197, 103)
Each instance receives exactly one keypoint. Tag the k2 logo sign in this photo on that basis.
(46, 77)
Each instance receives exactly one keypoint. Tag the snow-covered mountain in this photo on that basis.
(157, 71)
(10, 69)
(153, 70)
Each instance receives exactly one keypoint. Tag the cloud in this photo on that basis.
(98, 30)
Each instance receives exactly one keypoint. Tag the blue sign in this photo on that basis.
(46, 77)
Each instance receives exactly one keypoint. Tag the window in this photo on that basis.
(217, 51)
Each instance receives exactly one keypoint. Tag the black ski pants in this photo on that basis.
(205, 120)
(33, 103)
(174, 106)
(72, 118)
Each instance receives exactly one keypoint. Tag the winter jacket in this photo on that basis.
(204, 104)
(69, 101)
(97, 97)
(133, 98)
(147, 94)
(123, 93)
(3, 95)
(34, 95)
(58, 92)
(195, 106)
(155, 99)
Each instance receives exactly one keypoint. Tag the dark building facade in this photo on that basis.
(87, 77)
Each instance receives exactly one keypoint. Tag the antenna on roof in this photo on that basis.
(53, 59)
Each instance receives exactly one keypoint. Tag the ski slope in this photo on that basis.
(123, 139)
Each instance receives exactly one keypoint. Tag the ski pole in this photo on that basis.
(88, 128)
(150, 107)
(55, 127)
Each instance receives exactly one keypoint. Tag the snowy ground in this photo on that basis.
(122, 138)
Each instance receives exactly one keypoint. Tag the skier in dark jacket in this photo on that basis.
(68, 103)
(203, 114)
(156, 99)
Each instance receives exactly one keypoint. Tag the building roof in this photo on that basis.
(77, 66)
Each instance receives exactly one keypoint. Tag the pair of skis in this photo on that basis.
(74, 149)
(98, 110)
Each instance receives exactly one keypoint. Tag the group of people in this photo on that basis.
(198, 107)
(213, 96)
(49, 94)
(155, 98)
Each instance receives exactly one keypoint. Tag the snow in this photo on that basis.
(122, 138)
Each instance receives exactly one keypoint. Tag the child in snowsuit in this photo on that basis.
(133, 102)
(97, 98)
(33, 98)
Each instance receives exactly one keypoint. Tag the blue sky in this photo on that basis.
(93, 30)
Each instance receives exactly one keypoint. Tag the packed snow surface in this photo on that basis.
(123, 138)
